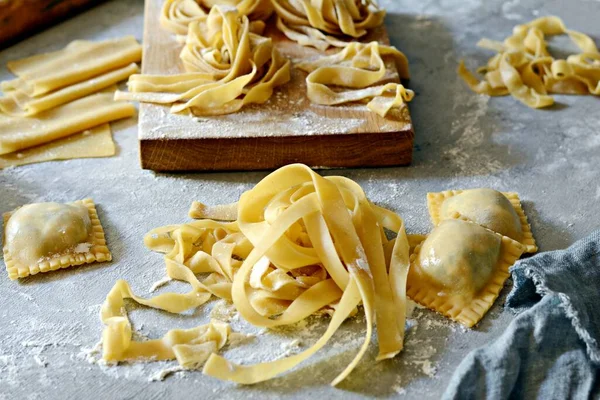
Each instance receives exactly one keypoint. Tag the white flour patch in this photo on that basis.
(159, 284)
(82, 248)
(467, 152)
(508, 10)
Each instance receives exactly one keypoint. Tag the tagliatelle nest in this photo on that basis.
(300, 243)
(525, 69)
(326, 23)
(177, 15)
(228, 63)
(355, 74)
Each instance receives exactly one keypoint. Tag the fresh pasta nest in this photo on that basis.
(228, 65)
(300, 243)
(177, 15)
(326, 23)
(358, 73)
(525, 69)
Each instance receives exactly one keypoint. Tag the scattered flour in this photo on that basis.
(163, 373)
(159, 284)
(83, 248)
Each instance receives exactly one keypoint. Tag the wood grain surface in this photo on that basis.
(286, 129)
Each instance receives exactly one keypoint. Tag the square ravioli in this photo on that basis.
(44, 237)
(498, 211)
(460, 269)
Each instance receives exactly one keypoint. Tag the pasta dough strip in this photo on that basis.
(97, 142)
(358, 66)
(272, 278)
(228, 66)
(80, 60)
(321, 23)
(526, 70)
(20, 104)
(79, 115)
(177, 15)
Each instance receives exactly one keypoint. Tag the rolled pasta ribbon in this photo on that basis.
(301, 243)
(177, 15)
(525, 69)
(324, 23)
(228, 66)
(358, 66)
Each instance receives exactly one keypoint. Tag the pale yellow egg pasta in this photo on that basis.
(460, 269)
(525, 69)
(79, 61)
(227, 66)
(358, 73)
(44, 237)
(177, 15)
(58, 106)
(19, 104)
(326, 23)
(17, 133)
(497, 211)
(300, 243)
(94, 142)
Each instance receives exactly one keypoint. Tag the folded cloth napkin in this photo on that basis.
(551, 350)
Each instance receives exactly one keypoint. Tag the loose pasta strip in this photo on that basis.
(361, 68)
(18, 104)
(79, 61)
(227, 66)
(326, 23)
(525, 69)
(301, 243)
(95, 142)
(177, 15)
(18, 133)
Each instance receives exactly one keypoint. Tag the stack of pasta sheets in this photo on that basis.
(60, 103)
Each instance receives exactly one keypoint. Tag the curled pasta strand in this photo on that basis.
(228, 65)
(324, 23)
(177, 15)
(525, 69)
(359, 67)
(300, 244)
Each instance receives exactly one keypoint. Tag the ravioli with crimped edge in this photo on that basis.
(498, 211)
(460, 269)
(44, 237)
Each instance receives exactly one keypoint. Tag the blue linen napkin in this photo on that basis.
(551, 350)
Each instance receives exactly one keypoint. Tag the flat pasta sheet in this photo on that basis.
(95, 142)
(20, 133)
(78, 61)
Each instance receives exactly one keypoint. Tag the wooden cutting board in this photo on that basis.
(287, 129)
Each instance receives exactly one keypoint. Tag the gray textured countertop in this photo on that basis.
(463, 140)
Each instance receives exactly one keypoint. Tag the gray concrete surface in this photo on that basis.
(463, 140)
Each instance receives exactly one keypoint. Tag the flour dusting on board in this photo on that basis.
(256, 121)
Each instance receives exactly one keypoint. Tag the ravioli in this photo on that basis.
(460, 269)
(43, 237)
(500, 212)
